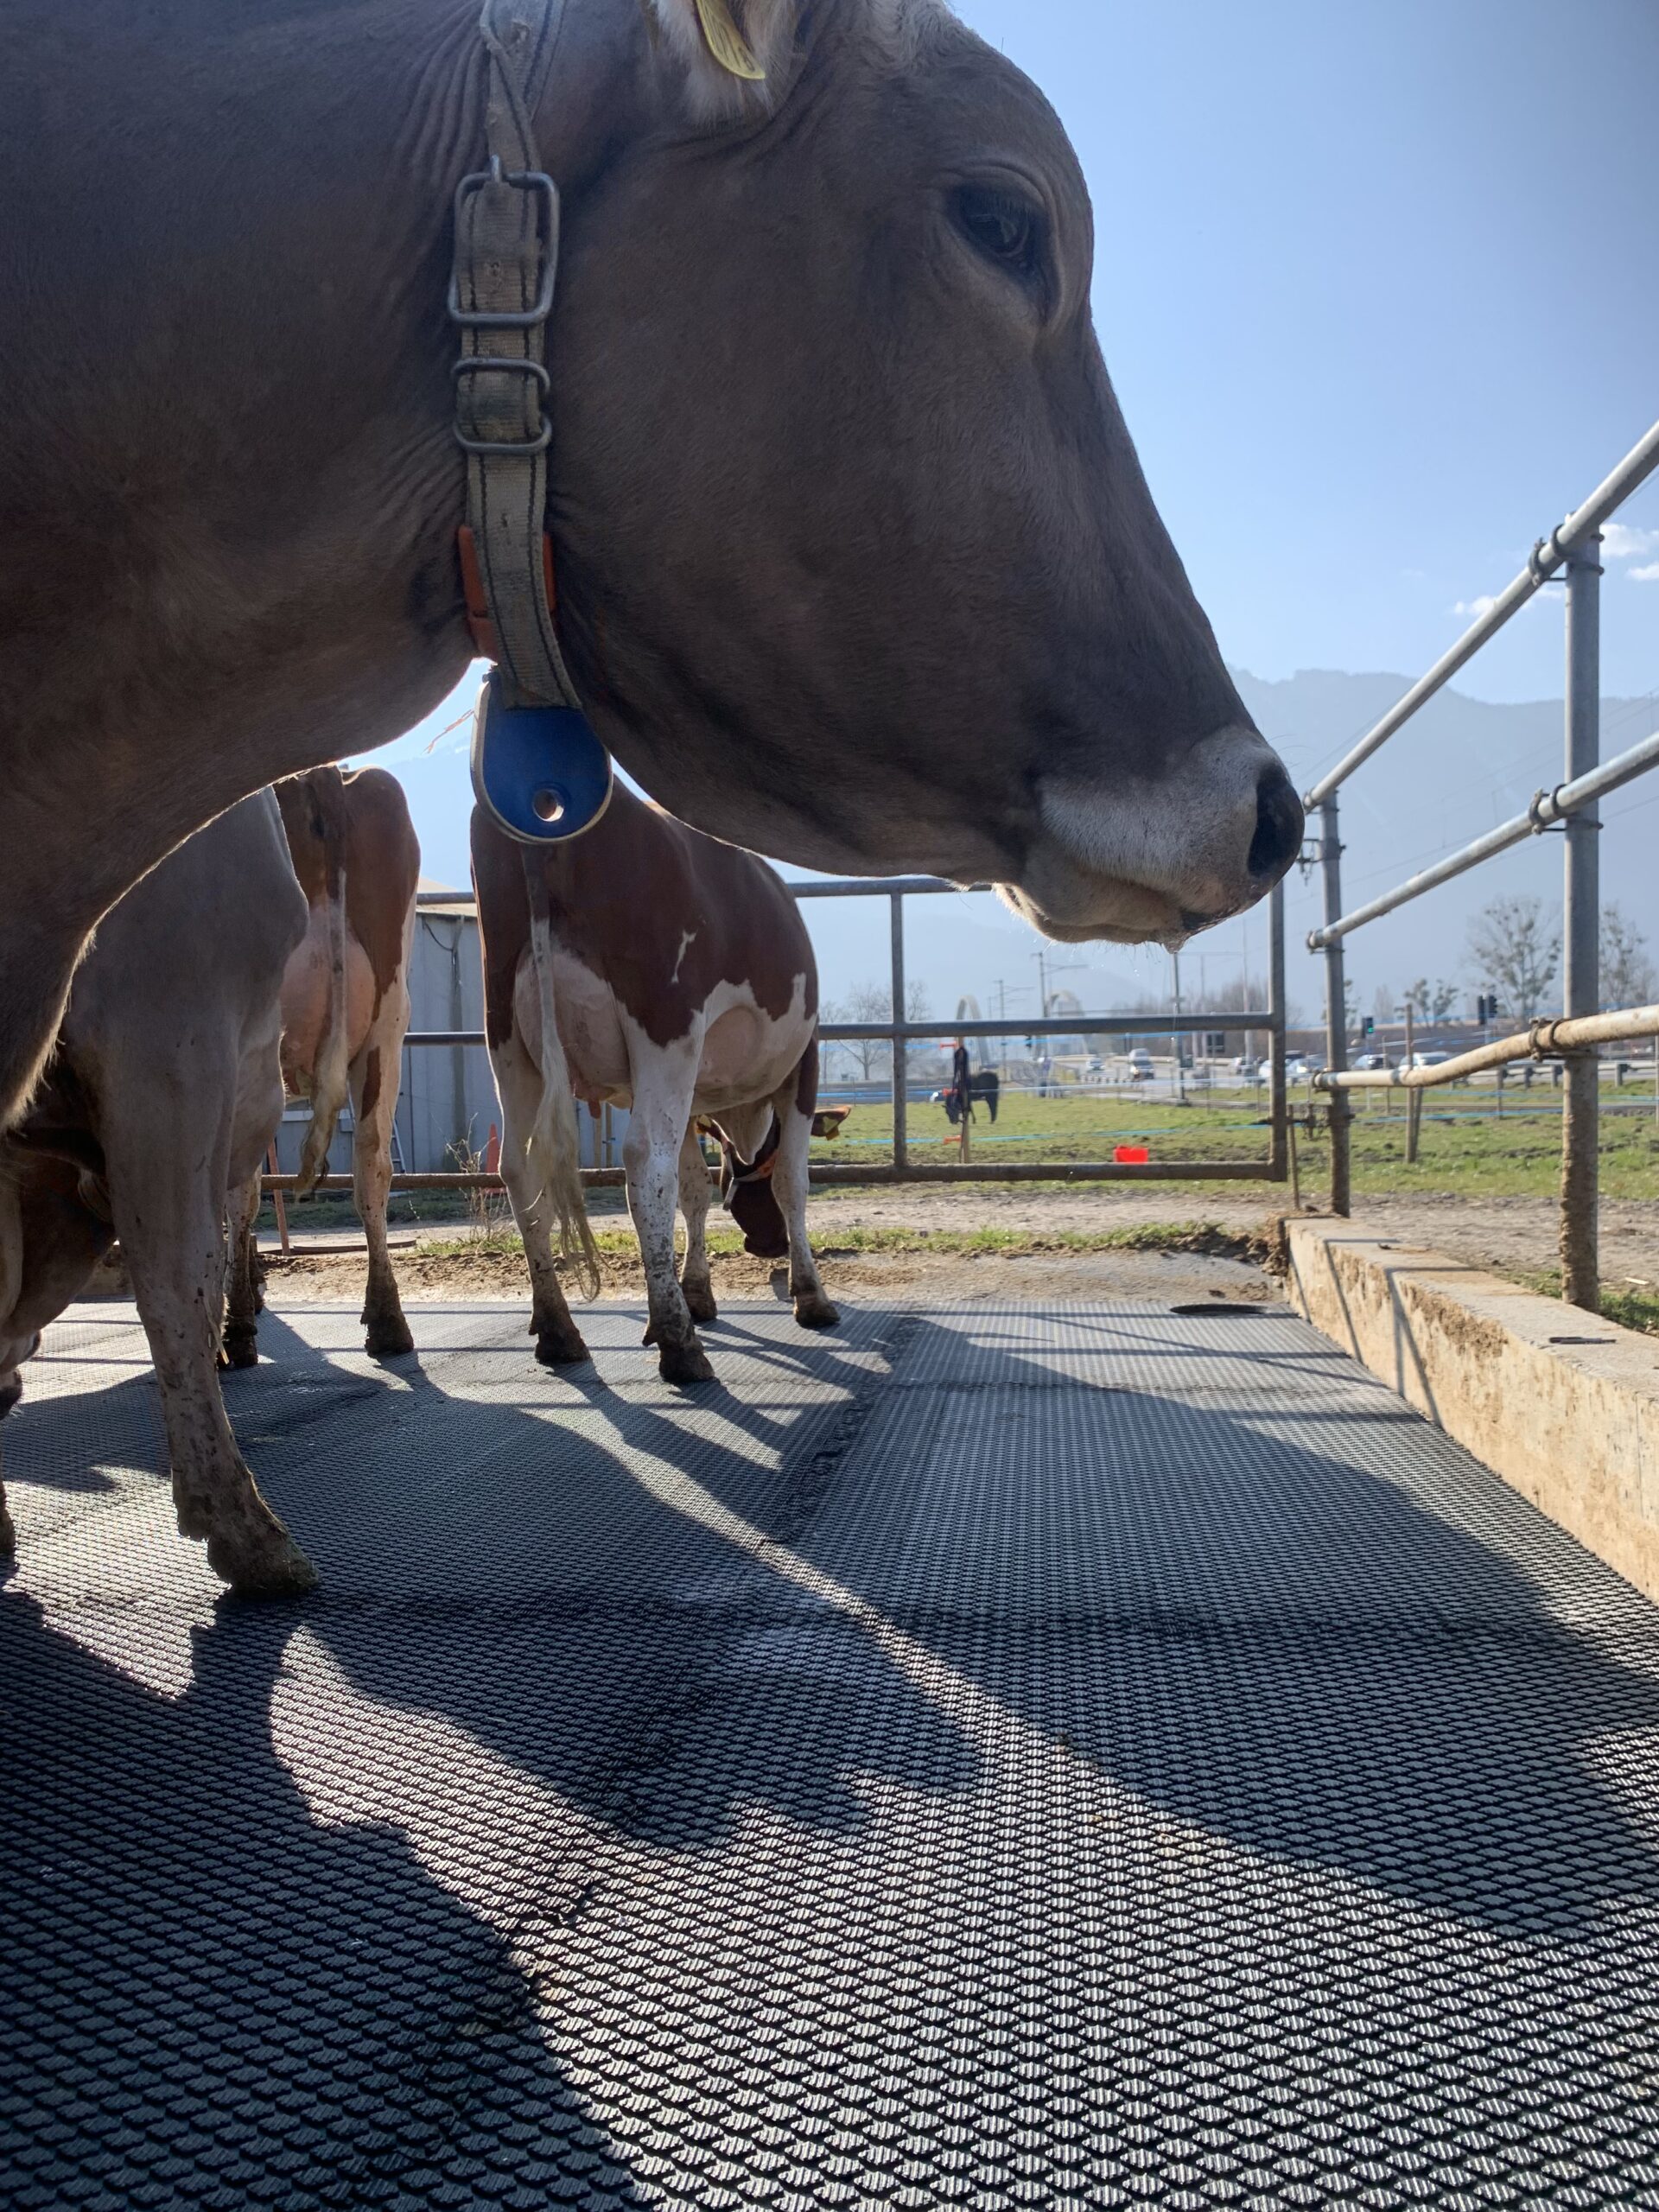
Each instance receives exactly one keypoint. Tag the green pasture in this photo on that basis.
(1467, 1148)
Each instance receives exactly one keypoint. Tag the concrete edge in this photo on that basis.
(1561, 1405)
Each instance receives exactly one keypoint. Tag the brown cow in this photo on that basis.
(650, 967)
(855, 559)
(157, 1108)
(345, 998)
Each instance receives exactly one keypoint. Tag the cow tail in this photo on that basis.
(553, 1149)
(330, 1077)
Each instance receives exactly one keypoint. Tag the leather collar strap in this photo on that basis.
(501, 294)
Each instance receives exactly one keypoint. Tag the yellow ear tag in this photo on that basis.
(727, 43)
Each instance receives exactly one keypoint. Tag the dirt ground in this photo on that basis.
(1513, 1236)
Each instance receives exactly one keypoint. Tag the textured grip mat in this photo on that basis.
(986, 1757)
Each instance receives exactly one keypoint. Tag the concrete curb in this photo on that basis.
(1561, 1405)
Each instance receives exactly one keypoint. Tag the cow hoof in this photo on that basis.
(684, 1362)
(11, 1393)
(8, 1534)
(269, 1566)
(388, 1339)
(816, 1314)
(561, 1348)
(700, 1302)
(241, 1350)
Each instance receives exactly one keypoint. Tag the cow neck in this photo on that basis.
(506, 224)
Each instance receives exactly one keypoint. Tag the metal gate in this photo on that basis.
(1273, 1167)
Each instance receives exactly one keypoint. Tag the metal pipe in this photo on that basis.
(1065, 1170)
(1335, 1010)
(1540, 1042)
(1278, 1091)
(1566, 800)
(900, 1039)
(1581, 525)
(1070, 1171)
(1059, 1025)
(1581, 916)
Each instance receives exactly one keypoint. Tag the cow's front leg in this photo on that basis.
(241, 1347)
(697, 1286)
(519, 1087)
(789, 1182)
(662, 1083)
(374, 1080)
(166, 1187)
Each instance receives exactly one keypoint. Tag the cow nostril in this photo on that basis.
(1278, 825)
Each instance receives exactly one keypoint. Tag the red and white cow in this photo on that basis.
(346, 999)
(646, 965)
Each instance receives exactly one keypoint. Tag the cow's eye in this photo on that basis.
(1005, 227)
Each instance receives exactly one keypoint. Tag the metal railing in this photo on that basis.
(1570, 548)
(900, 1034)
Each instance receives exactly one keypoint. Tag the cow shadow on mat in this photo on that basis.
(548, 1567)
(1309, 1624)
(260, 2006)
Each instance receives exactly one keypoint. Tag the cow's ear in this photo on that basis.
(732, 55)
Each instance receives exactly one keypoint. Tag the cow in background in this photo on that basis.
(345, 998)
(646, 965)
(156, 1110)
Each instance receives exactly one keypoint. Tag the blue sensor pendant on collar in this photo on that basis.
(540, 772)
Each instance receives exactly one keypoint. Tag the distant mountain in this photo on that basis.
(1459, 767)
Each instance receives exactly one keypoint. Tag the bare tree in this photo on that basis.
(1431, 1002)
(873, 1055)
(1516, 953)
(1627, 975)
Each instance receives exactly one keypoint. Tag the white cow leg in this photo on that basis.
(696, 1286)
(241, 1346)
(789, 1182)
(519, 1087)
(167, 1194)
(650, 1155)
(374, 1077)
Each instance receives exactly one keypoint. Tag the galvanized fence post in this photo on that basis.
(1581, 916)
(1280, 1102)
(900, 1043)
(1336, 1007)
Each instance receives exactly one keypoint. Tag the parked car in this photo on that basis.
(1372, 1060)
(1302, 1067)
(1424, 1060)
(1248, 1067)
(1141, 1069)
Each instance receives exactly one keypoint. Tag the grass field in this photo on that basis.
(1465, 1149)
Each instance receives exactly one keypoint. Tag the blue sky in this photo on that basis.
(1375, 282)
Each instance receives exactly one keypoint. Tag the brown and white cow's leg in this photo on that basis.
(241, 1346)
(519, 1087)
(167, 1192)
(374, 1105)
(665, 1078)
(789, 1182)
(697, 1286)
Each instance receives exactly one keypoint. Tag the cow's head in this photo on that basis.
(839, 478)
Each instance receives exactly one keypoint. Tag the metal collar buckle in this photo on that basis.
(541, 185)
(505, 364)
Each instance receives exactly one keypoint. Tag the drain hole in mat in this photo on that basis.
(1236, 1306)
